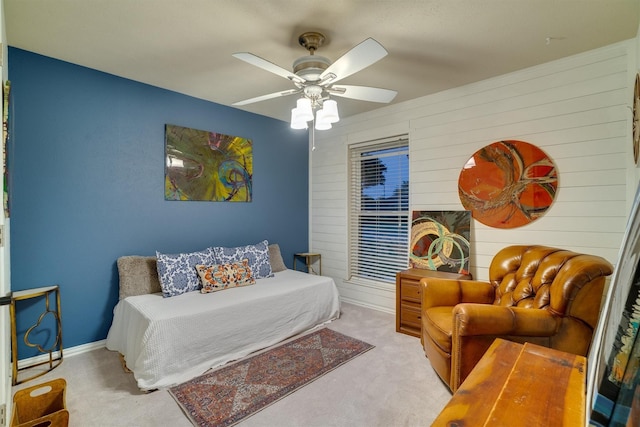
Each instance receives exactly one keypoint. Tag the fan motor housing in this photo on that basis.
(310, 67)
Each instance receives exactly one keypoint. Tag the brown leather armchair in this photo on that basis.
(546, 296)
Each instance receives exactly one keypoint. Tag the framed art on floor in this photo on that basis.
(440, 241)
(613, 387)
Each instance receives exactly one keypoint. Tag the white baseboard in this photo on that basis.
(367, 305)
(66, 352)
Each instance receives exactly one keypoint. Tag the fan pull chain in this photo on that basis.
(313, 134)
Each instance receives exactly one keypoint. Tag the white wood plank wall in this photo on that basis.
(576, 109)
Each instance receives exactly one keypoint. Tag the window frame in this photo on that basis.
(383, 273)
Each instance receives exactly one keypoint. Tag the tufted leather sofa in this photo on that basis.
(538, 294)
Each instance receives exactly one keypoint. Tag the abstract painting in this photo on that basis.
(508, 184)
(440, 241)
(209, 166)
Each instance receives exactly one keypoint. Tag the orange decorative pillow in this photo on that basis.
(222, 276)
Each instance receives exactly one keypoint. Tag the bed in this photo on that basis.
(166, 341)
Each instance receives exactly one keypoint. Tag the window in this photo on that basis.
(379, 209)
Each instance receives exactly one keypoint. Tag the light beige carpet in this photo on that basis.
(390, 385)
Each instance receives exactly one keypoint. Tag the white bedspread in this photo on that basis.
(166, 341)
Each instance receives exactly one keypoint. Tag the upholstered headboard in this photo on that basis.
(139, 274)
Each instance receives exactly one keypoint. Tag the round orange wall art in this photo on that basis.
(508, 184)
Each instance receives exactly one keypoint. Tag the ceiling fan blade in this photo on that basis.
(268, 96)
(359, 57)
(363, 93)
(266, 65)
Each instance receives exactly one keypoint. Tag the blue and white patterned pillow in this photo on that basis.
(258, 256)
(177, 272)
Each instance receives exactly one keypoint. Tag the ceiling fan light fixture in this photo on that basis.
(296, 121)
(305, 112)
(330, 111)
(314, 77)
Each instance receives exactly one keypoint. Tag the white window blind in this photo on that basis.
(379, 209)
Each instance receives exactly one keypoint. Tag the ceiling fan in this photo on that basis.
(315, 77)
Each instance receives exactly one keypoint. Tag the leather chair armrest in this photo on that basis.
(437, 292)
(480, 319)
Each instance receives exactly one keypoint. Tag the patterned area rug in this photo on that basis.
(227, 395)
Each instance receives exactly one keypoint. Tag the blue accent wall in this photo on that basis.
(86, 158)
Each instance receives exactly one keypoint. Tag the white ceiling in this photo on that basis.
(186, 45)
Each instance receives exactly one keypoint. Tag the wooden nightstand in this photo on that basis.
(409, 297)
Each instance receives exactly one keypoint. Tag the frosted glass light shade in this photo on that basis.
(321, 121)
(330, 108)
(296, 122)
(304, 109)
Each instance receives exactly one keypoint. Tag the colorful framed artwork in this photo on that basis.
(6, 95)
(440, 241)
(613, 381)
(508, 184)
(207, 166)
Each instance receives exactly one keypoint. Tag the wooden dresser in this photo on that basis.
(409, 298)
(516, 385)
